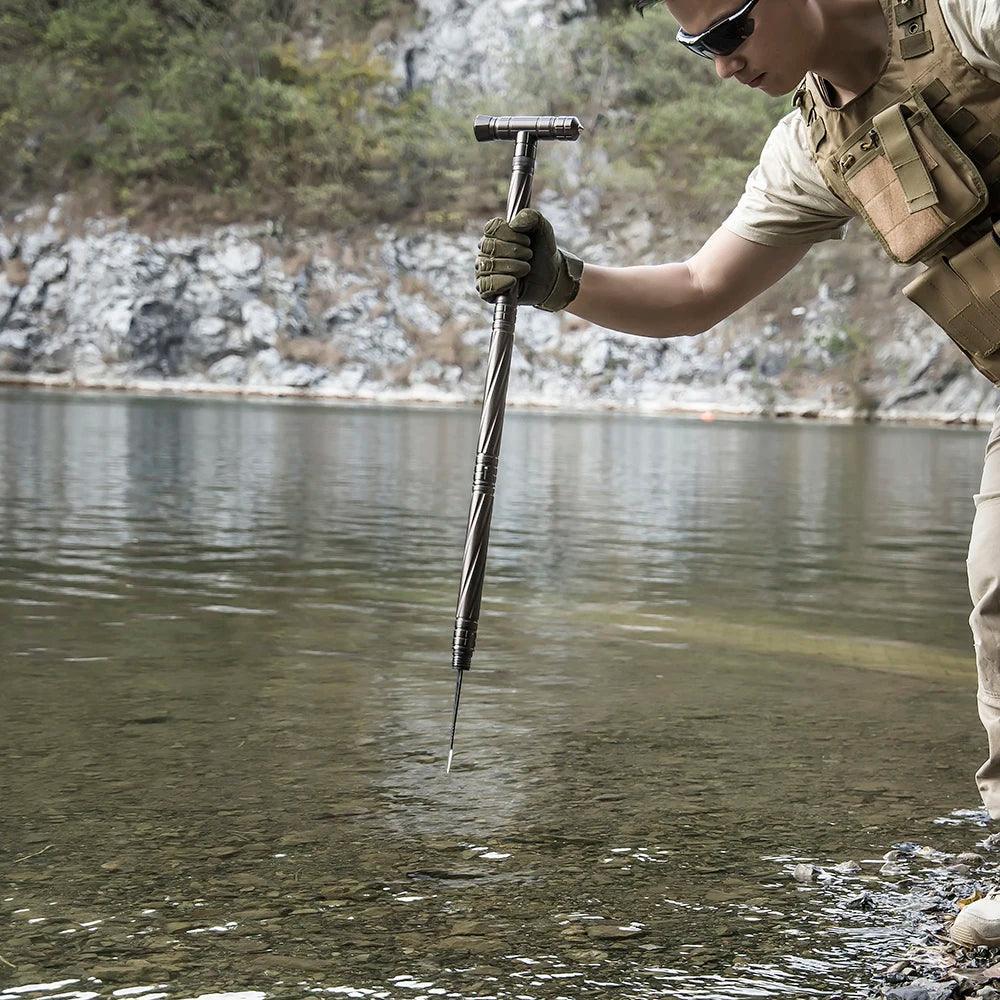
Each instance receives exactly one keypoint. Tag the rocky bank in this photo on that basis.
(394, 317)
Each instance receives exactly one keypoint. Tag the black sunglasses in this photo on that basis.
(722, 38)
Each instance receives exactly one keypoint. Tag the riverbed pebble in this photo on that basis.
(847, 868)
(970, 858)
(804, 873)
(612, 931)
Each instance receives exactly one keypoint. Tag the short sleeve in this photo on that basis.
(975, 27)
(786, 202)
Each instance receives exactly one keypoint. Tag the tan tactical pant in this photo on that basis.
(984, 586)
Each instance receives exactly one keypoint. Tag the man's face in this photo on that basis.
(773, 58)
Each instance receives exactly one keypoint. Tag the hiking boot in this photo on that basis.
(978, 924)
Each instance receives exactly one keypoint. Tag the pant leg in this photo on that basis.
(984, 588)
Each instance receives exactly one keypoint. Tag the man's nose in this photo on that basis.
(727, 66)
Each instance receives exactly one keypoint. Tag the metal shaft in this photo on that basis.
(477, 537)
(526, 131)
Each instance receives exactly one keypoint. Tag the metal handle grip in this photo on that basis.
(563, 127)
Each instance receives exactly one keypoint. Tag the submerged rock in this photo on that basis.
(613, 931)
(804, 873)
(847, 868)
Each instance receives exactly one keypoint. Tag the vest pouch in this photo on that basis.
(962, 295)
(909, 180)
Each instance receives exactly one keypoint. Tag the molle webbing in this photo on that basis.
(923, 66)
(959, 121)
(915, 40)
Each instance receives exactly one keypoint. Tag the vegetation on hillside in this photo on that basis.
(207, 110)
(665, 130)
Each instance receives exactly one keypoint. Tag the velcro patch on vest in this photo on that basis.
(935, 92)
(986, 150)
(916, 42)
(906, 10)
(960, 121)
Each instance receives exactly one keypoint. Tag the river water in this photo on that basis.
(708, 652)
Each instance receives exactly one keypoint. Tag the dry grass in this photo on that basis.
(401, 374)
(296, 263)
(16, 271)
(410, 284)
(448, 346)
(311, 350)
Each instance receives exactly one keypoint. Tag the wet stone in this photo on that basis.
(129, 969)
(899, 972)
(471, 945)
(296, 840)
(863, 901)
(613, 931)
(294, 963)
(471, 928)
(847, 868)
(445, 845)
(224, 852)
(922, 989)
(804, 873)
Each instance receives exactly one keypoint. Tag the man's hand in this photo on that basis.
(525, 254)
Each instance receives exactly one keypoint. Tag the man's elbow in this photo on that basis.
(693, 323)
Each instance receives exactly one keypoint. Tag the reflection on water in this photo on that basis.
(707, 653)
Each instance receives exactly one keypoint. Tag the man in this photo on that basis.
(896, 119)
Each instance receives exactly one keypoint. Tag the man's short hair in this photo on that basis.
(641, 5)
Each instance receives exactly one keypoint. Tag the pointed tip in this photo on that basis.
(451, 753)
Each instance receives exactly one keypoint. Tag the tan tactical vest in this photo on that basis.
(917, 156)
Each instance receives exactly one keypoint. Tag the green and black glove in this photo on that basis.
(525, 253)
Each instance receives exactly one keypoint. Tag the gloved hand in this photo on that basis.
(525, 253)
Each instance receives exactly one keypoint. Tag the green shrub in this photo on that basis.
(206, 110)
(679, 134)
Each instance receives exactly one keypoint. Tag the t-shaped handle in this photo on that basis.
(490, 127)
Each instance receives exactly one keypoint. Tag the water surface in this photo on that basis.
(707, 652)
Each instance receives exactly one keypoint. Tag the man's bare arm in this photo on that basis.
(673, 300)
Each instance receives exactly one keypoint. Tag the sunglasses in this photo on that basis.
(724, 37)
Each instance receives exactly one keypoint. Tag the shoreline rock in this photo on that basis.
(423, 399)
(392, 318)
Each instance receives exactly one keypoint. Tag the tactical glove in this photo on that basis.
(525, 254)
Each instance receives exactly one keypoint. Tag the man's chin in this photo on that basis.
(775, 87)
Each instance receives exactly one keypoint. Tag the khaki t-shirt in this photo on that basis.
(786, 201)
